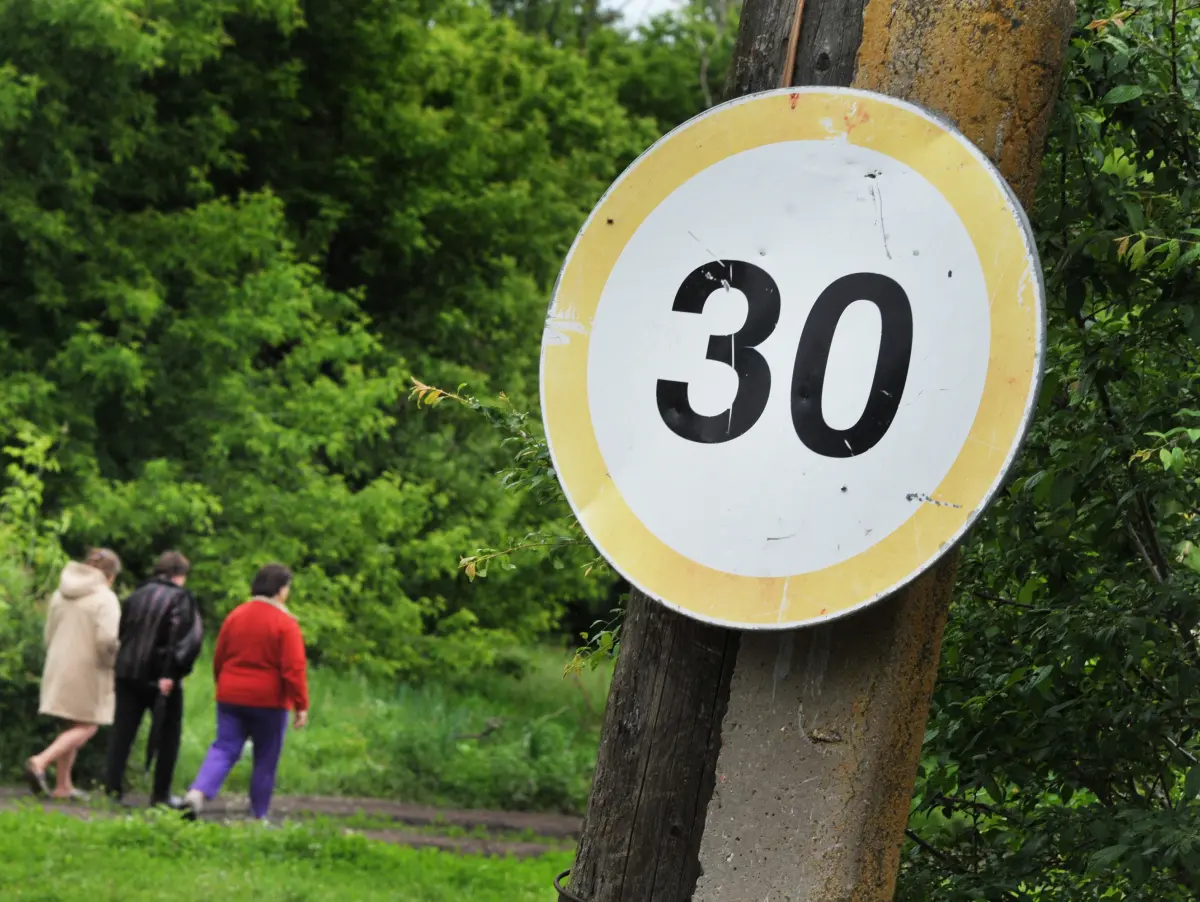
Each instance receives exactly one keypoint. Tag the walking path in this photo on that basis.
(545, 832)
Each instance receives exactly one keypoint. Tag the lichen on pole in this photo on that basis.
(992, 67)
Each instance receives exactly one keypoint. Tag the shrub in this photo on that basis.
(31, 557)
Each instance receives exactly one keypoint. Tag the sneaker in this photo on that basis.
(193, 804)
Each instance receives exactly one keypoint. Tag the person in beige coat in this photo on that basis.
(82, 627)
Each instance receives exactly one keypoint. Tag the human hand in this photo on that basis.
(166, 687)
(300, 721)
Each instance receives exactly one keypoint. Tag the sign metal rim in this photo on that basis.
(1019, 436)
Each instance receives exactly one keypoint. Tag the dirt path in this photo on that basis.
(545, 832)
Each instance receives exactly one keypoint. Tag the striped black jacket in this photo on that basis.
(161, 633)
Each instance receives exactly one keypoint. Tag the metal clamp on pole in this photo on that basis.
(564, 894)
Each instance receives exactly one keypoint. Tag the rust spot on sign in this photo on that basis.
(853, 122)
(795, 97)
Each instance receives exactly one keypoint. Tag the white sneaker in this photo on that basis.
(193, 804)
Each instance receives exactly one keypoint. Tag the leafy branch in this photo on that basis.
(477, 564)
(531, 472)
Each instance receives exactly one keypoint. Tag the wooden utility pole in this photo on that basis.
(702, 791)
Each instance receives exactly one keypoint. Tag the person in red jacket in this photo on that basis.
(261, 675)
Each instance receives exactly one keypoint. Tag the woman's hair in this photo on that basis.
(270, 580)
(171, 564)
(105, 560)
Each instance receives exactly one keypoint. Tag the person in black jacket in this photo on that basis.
(161, 635)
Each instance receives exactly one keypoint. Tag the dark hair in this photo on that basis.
(270, 580)
(171, 564)
(105, 560)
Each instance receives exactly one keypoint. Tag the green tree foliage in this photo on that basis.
(570, 24)
(673, 66)
(1061, 761)
(230, 231)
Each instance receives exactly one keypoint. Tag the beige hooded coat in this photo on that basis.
(82, 629)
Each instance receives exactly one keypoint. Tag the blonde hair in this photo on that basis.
(105, 560)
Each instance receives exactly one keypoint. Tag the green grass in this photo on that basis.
(57, 858)
(407, 742)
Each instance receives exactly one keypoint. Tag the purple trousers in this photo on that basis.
(265, 728)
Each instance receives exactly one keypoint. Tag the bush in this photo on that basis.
(31, 557)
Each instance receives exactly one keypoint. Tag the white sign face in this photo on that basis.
(801, 214)
(789, 361)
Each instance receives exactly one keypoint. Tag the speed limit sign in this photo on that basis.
(791, 355)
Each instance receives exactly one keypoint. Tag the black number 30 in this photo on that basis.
(739, 351)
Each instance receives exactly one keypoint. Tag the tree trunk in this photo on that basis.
(657, 760)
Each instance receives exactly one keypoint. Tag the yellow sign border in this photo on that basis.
(1002, 237)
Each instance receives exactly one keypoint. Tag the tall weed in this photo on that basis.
(515, 742)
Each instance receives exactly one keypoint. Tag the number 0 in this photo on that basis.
(891, 366)
(739, 351)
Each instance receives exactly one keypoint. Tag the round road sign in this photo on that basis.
(791, 355)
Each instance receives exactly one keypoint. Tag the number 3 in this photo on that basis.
(739, 351)
(736, 350)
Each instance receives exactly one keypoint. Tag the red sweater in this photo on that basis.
(260, 660)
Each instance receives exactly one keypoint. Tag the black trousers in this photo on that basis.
(134, 699)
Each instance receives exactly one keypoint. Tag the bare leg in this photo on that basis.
(63, 766)
(62, 751)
